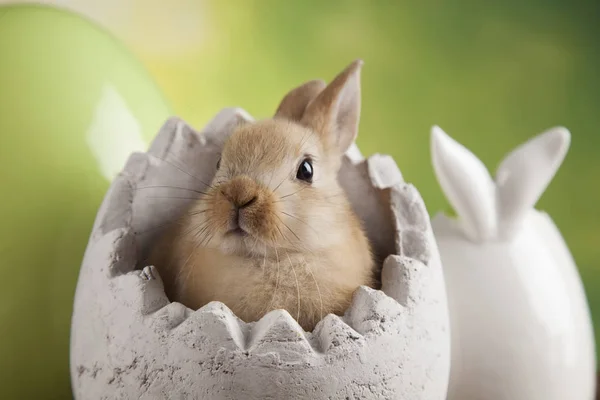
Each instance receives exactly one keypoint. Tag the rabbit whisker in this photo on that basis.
(198, 212)
(183, 268)
(309, 269)
(182, 170)
(291, 194)
(297, 287)
(171, 187)
(280, 183)
(200, 236)
(281, 234)
(276, 283)
(254, 245)
(264, 260)
(196, 228)
(172, 197)
(271, 179)
(300, 220)
(290, 229)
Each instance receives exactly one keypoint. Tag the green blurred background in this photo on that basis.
(492, 75)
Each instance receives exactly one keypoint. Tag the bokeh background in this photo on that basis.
(79, 91)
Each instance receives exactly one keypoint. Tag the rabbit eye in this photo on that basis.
(305, 171)
(219, 163)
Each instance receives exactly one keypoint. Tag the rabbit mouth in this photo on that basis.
(238, 231)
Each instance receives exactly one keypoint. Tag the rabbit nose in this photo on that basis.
(238, 203)
(240, 193)
(246, 204)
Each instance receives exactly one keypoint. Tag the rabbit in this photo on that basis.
(520, 322)
(274, 229)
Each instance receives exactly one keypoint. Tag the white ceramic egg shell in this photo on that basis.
(520, 322)
(129, 341)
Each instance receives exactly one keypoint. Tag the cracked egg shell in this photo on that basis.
(129, 341)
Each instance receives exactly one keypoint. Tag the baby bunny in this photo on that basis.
(274, 229)
(520, 323)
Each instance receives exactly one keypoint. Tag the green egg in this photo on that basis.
(74, 103)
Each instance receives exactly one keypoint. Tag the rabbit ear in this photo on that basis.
(466, 183)
(335, 112)
(525, 173)
(294, 103)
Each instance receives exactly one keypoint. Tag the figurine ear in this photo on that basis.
(525, 173)
(294, 103)
(466, 183)
(334, 114)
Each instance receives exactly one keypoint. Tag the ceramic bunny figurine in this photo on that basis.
(520, 323)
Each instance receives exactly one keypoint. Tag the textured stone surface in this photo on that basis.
(130, 342)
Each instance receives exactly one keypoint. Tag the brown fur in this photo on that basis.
(305, 250)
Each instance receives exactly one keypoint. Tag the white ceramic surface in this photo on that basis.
(520, 323)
